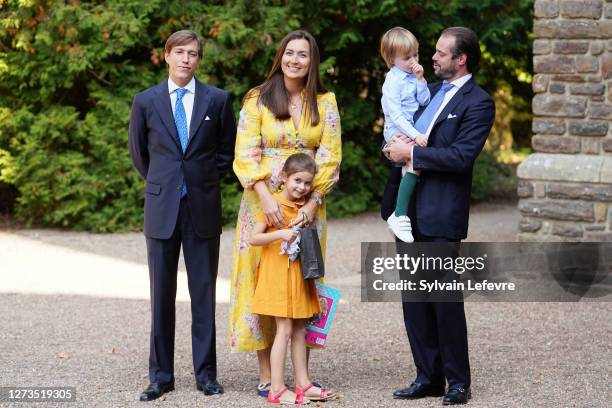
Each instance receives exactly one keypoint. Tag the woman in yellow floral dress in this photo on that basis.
(290, 112)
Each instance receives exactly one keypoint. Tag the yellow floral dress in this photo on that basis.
(263, 143)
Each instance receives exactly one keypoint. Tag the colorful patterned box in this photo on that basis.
(318, 328)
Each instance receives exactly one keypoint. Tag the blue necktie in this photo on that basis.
(180, 119)
(422, 124)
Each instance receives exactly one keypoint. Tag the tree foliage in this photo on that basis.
(69, 70)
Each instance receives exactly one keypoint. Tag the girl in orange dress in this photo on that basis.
(280, 289)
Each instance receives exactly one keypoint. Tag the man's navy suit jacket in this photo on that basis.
(440, 205)
(157, 155)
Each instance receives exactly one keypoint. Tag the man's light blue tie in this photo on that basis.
(180, 119)
(422, 124)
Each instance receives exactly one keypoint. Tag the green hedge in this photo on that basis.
(69, 70)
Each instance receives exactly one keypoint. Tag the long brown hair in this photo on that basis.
(273, 94)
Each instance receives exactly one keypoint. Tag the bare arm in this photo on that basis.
(261, 238)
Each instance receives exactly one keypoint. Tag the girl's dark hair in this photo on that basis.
(272, 93)
(299, 162)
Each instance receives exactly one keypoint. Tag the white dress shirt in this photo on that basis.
(458, 83)
(188, 98)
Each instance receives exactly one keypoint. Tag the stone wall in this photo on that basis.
(565, 188)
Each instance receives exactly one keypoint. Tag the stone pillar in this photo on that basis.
(565, 187)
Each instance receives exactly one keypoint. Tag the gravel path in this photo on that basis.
(76, 312)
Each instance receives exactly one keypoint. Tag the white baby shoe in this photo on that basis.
(401, 228)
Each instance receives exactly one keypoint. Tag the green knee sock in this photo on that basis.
(405, 192)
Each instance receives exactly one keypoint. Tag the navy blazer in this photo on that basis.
(156, 152)
(441, 203)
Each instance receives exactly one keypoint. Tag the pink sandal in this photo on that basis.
(314, 395)
(276, 398)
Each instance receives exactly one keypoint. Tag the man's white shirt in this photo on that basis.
(188, 98)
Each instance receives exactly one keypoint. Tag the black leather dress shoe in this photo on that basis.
(210, 388)
(418, 390)
(457, 396)
(156, 390)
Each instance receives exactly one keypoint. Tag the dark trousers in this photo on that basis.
(437, 333)
(201, 259)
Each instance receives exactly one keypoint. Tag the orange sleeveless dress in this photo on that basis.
(280, 289)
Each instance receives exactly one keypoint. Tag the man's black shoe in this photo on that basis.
(156, 390)
(457, 396)
(418, 390)
(210, 388)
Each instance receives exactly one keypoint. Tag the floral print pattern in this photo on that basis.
(262, 145)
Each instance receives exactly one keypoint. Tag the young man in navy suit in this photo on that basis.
(458, 127)
(181, 141)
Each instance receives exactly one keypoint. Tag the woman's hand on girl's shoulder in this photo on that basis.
(272, 212)
(269, 205)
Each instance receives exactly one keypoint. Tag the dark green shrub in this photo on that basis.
(69, 70)
(493, 180)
